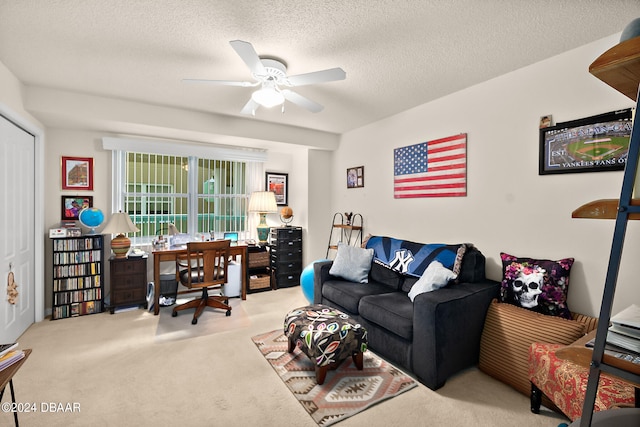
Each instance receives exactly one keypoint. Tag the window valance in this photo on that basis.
(175, 148)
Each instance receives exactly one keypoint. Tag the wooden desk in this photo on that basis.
(171, 254)
(6, 377)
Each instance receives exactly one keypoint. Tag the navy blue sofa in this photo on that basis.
(433, 337)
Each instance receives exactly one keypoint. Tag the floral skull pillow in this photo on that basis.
(539, 285)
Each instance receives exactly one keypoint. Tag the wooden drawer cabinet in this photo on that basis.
(128, 282)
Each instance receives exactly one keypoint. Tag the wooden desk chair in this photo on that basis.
(206, 268)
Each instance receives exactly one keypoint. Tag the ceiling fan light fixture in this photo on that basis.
(268, 97)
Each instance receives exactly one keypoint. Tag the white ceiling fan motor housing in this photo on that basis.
(276, 71)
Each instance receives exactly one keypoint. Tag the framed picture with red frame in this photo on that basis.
(77, 173)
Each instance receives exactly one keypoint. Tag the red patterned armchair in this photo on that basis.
(565, 383)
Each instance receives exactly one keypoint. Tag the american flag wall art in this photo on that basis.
(431, 169)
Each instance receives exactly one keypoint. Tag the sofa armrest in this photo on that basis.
(320, 275)
(447, 327)
(590, 323)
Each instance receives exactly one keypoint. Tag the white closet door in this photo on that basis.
(17, 228)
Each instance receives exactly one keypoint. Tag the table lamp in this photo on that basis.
(263, 202)
(119, 224)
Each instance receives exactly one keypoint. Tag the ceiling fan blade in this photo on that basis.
(248, 54)
(250, 108)
(301, 101)
(222, 82)
(323, 76)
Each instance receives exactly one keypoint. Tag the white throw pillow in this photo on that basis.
(434, 277)
(352, 263)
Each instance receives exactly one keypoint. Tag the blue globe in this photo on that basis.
(91, 218)
(306, 280)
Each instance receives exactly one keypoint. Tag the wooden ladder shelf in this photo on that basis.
(348, 231)
(619, 67)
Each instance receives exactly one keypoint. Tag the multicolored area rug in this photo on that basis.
(346, 390)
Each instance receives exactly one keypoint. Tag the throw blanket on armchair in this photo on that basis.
(413, 258)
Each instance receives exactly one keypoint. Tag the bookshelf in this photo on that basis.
(78, 276)
(345, 231)
(619, 67)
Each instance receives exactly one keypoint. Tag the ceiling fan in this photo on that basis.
(271, 74)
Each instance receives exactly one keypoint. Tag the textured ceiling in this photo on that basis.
(397, 54)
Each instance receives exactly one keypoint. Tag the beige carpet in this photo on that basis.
(210, 321)
(120, 375)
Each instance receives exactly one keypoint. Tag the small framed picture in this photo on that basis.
(279, 184)
(77, 173)
(72, 205)
(355, 177)
(546, 121)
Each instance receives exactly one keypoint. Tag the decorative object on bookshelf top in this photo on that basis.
(631, 31)
(286, 216)
(91, 218)
(120, 223)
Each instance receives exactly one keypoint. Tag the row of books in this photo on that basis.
(69, 297)
(73, 270)
(86, 244)
(9, 354)
(624, 331)
(76, 257)
(76, 309)
(76, 283)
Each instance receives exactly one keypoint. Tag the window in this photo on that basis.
(199, 196)
(199, 187)
(222, 195)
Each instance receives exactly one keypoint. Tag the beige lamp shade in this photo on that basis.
(119, 224)
(263, 202)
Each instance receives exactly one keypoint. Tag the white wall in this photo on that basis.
(68, 142)
(508, 207)
(11, 95)
(320, 175)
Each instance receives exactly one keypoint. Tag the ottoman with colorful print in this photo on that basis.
(326, 335)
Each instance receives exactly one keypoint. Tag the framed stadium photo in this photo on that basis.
(592, 144)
